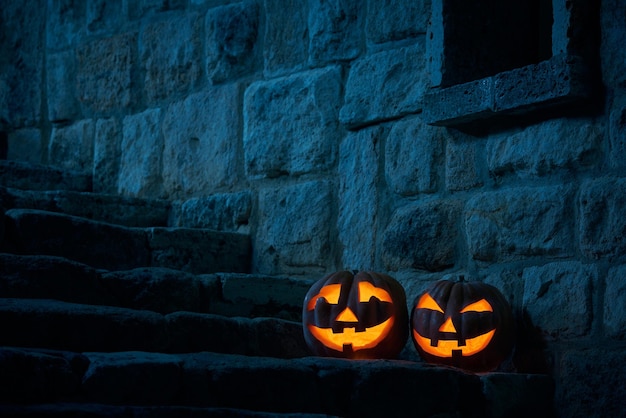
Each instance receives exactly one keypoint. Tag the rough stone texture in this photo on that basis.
(334, 31)
(199, 250)
(106, 208)
(104, 78)
(94, 243)
(35, 177)
(398, 78)
(61, 86)
(106, 155)
(141, 8)
(602, 219)
(161, 289)
(422, 236)
(200, 156)
(231, 40)
(21, 72)
(49, 277)
(222, 212)
(359, 197)
(286, 37)
(71, 147)
(615, 303)
(617, 132)
(388, 22)
(25, 145)
(413, 154)
(557, 297)
(518, 223)
(612, 55)
(290, 124)
(140, 165)
(169, 52)
(65, 23)
(595, 382)
(104, 15)
(560, 144)
(281, 296)
(463, 158)
(293, 236)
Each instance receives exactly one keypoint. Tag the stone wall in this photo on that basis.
(300, 122)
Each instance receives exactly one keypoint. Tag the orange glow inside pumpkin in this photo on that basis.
(446, 348)
(368, 338)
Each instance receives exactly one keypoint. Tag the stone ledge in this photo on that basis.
(21, 175)
(561, 80)
(309, 385)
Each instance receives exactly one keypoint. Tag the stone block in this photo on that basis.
(518, 223)
(615, 303)
(170, 55)
(199, 250)
(140, 164)
(603, 218)
(286, 37)
(398, 78)
(47, 277)
(104, 79)
(109, 246)
(290, 124)
(592, 382)
(22, 65)
(612, 55)
(617, 132)
(358, 195)
(71, 147)
(161, 289)
(22, 175)
(293, 235)
(25, 145)
(106, 155)
(459, 104)
(65, 26)
(231, 41)
(262, 296)
(61, 86)
(423, 236)
(390, 21)
(413, 155)
(546, 148)
(138, 377)
(199, 155)
(334, 31)
(57, 325)
(221, 211)
(104, 15)
(558, 298)
(463, 163)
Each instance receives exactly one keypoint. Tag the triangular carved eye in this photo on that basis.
(367, 290)
(427, 302)
(480, 306)
(330, 292)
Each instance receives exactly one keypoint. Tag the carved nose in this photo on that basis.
(447, 326)
(347, 316)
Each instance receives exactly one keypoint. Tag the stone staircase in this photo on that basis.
(105, 311)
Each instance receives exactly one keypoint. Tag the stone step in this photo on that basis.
(157, 289)
(115, 247)
(113, 209)
(27, 176)
(311, 385)
(53, 324)
(65, 410)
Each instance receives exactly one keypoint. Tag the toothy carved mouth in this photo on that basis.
(445, 348)
(368, 338)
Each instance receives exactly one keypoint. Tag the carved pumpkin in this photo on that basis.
(463, 324)
(356, 315)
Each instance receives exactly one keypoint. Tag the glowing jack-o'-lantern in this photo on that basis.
(357, 315)
(463, 324)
